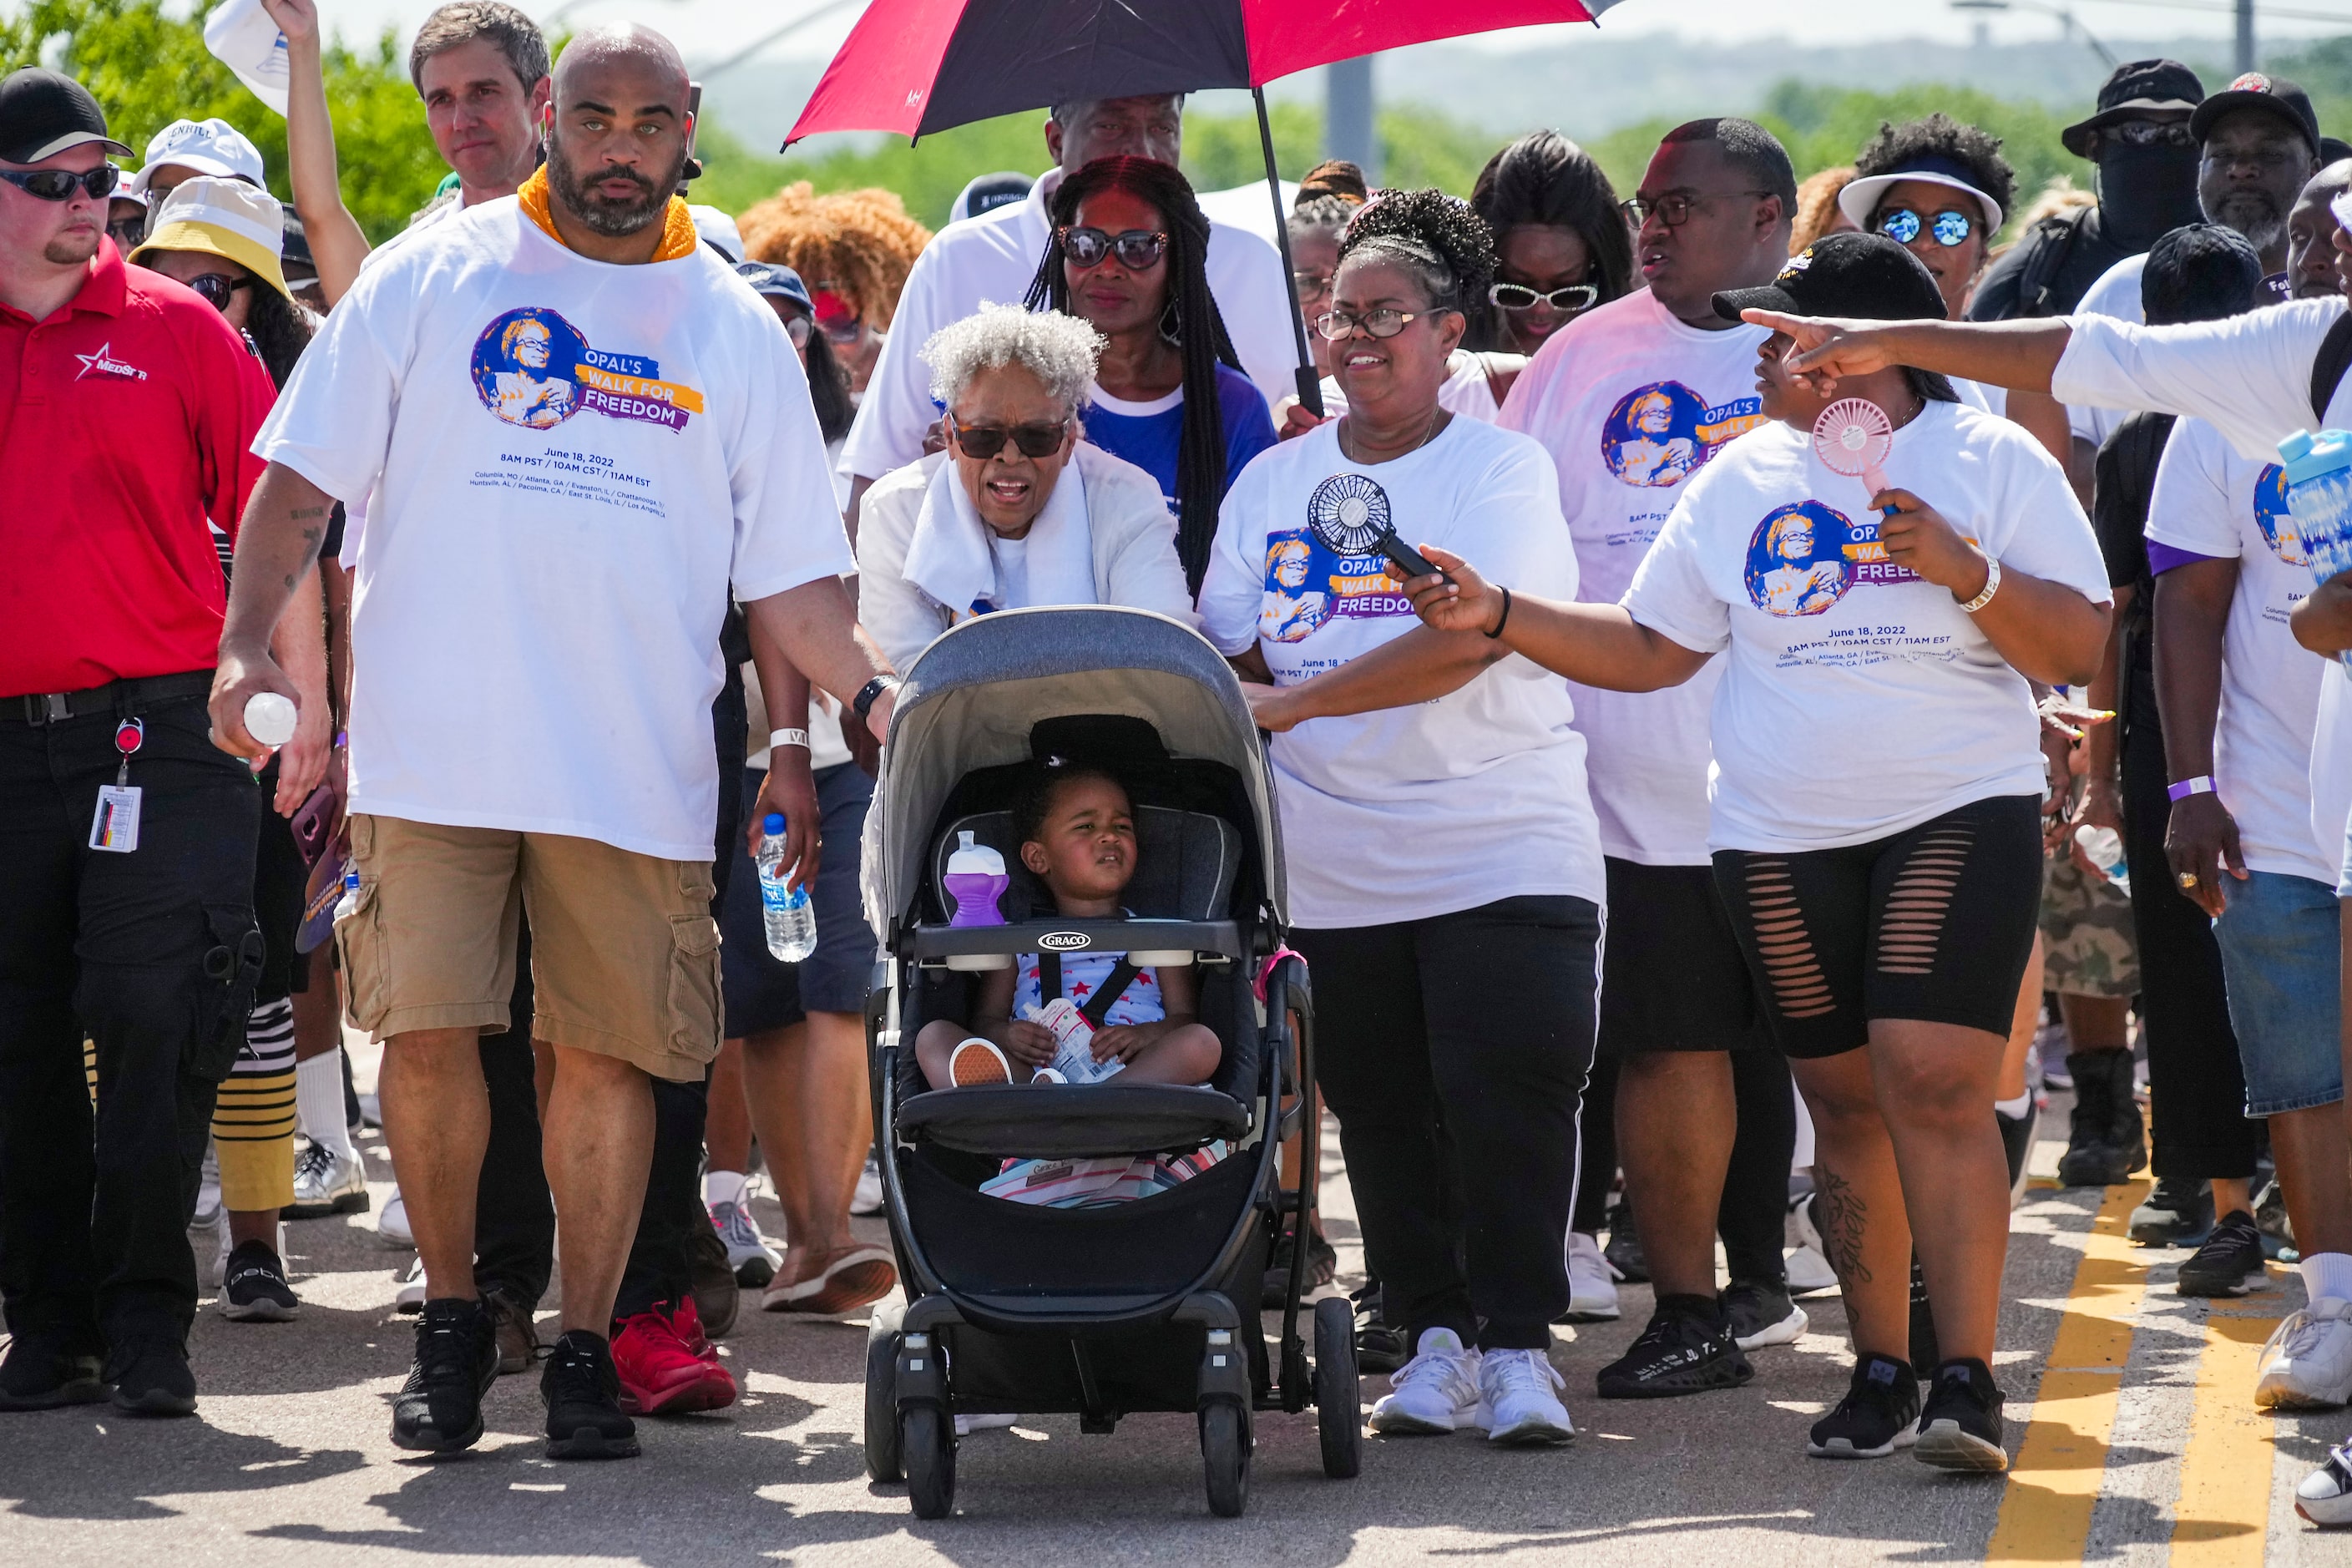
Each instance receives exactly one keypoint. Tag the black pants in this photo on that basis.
(154, 955)
(658, 1271)
(514, 1215)
(1454, 1052)
(2197, 1092)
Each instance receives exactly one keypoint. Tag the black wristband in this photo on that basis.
(1502, 620)
(863, 703)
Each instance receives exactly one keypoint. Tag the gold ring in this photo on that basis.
(2188, 878)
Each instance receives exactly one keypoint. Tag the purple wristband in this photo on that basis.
(2202, 785)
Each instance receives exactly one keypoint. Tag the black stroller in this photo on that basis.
(1151, 1305)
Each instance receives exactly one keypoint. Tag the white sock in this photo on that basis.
(725, 1186)
(2327, 1274)
(2015, 1108)
(319, 1103)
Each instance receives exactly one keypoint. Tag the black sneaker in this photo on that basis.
(2106, 1138)
(1879, 1414)
(439, 1409)
(43, 1372)
(583, 1395)
(1961, 1427)
(2228, 1264)
(1380, 1345)
(1926, 1355)
(254, 1287)
(717, 1294)
(1686, 1349)
(1624, 1250)
(1762, 1313)
(151, 1377)
(1322, 1267)
(2179, 1212)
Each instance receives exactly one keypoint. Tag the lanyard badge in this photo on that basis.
(114, 825)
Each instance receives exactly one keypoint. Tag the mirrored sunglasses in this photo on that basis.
(1137, 249)
(1901, 225)
(215, 288)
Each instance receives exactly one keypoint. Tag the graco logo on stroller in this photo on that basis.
(1065, 941)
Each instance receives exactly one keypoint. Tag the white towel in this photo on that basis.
(949, 557)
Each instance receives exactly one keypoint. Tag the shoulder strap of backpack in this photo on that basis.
(2047, 261)
(2327, 370)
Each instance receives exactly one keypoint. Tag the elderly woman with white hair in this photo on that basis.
(1017, 511)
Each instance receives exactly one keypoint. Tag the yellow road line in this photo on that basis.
(2045, 1510)
(2223, 1517)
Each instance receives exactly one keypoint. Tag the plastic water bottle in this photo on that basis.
(2103, 847)
(270, 718)
(350, 902)
(975, 880)
(2318, 474)
(790, 921)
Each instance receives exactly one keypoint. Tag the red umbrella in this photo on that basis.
(917, 66)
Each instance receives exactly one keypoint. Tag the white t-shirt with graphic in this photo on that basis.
(1433, 808)
(1630, 402)
(576, 460)
(1859, 700)
(2213, 502)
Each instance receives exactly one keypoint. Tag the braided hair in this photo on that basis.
(1190, 321)
(1545, 179)
(1440, 239)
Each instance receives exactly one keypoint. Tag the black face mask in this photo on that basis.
(2147, 191)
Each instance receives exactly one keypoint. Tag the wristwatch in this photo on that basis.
(863, 703)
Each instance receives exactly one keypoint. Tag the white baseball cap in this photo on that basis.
(719, 230)
(207, 146)
(223, 218)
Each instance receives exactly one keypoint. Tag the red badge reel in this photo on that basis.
(1852, 437)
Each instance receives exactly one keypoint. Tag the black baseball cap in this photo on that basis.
(2334, 150)
(1865, 275)
(43, 113)
(2135, 89)
(2270, 94)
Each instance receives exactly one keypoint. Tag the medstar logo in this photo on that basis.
(103, 363)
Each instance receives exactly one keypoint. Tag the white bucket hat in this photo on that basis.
(227, 218)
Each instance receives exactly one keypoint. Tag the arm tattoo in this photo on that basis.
(1842, 1216)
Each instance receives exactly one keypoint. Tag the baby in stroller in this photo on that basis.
(1076, 830)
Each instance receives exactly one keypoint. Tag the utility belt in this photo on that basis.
(116, 698)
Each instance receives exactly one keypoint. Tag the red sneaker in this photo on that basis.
(686, 1319)
(661, 1374)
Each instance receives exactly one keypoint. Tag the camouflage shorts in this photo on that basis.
(2087, 933)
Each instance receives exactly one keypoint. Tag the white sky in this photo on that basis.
(709, 29)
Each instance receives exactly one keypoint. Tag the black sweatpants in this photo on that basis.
(514, 1213)
(1454, 1051)
(2197, 1092)
(154, 955)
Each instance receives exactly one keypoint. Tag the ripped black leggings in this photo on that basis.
(1933, 923)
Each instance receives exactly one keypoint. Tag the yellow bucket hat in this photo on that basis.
(228, 219)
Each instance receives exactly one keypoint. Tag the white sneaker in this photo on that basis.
(867, 1199)
(391, 1225)
(1436, 1390)
(1516, 1402)
(966, 1424)
(732, 1221)
(2325, 1496)
(410, 1296)
(208, 1226)
(1804, 1257)
(2308, 1359)
(1591, 1292)
(326, 1183)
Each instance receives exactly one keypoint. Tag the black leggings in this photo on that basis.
(1933, 923)
(1452, 1051)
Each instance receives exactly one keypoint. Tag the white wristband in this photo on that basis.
(1992, 586)
(789, 738)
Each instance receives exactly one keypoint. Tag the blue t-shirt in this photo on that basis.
(1148, 433)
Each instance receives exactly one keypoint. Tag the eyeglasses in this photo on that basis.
(2149, 132)
(1901, 225)
(1568, 301)
(58, 185)
(1137, 249)
(1381, 324)
(127, 233)
(984, 441)
(1673, 209)
(215, 288)
(1312, 285)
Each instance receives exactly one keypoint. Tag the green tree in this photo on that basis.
(147, 69)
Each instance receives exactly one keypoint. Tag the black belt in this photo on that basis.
(41, 709)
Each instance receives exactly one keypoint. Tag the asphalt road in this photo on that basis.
(2143, 1449)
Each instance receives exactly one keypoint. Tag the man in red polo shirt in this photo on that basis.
(126, 407)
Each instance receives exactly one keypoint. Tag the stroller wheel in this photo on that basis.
(1338, 1417)
(882, 1396)
(1225, 1457)
(927, 1449)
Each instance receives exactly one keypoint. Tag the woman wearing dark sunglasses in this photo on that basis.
(222, 239)
(1129, 256)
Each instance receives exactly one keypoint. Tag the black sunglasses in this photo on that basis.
(1567, 302)
(1137, 249)
(984, 441)
(58, 185)
(215, 288)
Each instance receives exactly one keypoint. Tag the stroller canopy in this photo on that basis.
(972, 697)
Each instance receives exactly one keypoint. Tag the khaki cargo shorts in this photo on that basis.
(2089, 945)
(624, 950)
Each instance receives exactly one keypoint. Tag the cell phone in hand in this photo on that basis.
(1408, 560)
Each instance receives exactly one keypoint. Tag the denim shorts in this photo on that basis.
(2279, 957)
